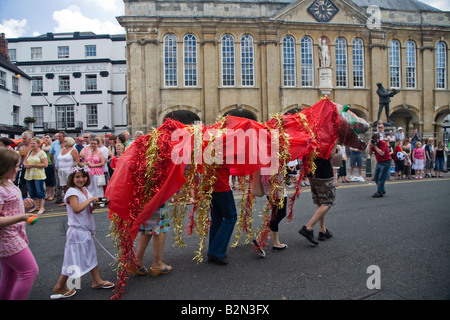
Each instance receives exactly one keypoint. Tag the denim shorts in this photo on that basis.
(323, 191)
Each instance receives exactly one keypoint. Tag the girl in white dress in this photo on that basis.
(80, 256)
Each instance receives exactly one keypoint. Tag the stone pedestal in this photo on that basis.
(325, 80)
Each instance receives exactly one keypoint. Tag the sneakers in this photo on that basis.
(309, 235)
(323, 236)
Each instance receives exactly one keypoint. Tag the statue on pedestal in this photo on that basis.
(324, 53)
(384, 96)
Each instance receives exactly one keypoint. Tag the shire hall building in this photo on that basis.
(198, 60)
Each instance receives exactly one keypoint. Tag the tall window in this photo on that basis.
(15, 84)
(441, 65)
(228, 60)
(64, 83)
(410, 64)
(394, 64)
(341, 62)
(91, 115)
(91, 82)
(2, 79)
(190, 60)
(247, 60)
(307, 62)
(170, 61)
(38, 114)
(289, 79)
(37, 84)
(358, 63)
(65, 116)
(12, 54)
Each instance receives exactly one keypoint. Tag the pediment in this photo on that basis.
(348, 13)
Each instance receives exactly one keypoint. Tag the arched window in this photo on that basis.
(247, 61)
(341, 62)
(289, 79)
(394, 64)
(170, 60)
(190, 60)
(307, 62)
(358, 63)
(228, 60)
(441, 65)
(410, 64)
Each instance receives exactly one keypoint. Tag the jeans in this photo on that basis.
(382, 169)
(36, 189)
(223, 219)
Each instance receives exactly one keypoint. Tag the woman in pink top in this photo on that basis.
(17, 263)
(418, 159)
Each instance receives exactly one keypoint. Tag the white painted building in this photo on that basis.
(15, 87)
(78, 81)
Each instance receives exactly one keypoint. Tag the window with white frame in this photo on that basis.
(3, 79)
(16, 115)
(91, 115)
(394, 64)
(15, 84)
(63, 52)
(411, 64)
(441, 65)
(12, 54)
(36, 53)
(64, 83)
(65, 116)
(307, 61)
(358, 63)
(90, 50)
(289, 79)
(38, 114)
(91, 82)
(37, 84)
(170, 60)
(190, 60)
(247, 61)
(341, 62)
(228, 60)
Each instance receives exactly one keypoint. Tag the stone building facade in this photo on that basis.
(199, 60)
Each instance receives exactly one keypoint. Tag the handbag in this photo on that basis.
(100, 180)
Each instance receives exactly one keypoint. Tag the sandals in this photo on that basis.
(66, 295)
(105, 285)
(157, 272)
(138, 271)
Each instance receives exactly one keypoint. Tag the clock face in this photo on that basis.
(323, 10)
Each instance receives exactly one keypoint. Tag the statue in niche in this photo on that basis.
(325, 60)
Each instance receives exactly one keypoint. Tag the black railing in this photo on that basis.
(65, 126)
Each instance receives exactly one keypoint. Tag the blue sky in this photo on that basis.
(27, 18)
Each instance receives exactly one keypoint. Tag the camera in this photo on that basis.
(372, 141)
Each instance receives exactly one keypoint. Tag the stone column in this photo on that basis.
(211, 75)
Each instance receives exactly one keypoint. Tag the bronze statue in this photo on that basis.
(384, 100)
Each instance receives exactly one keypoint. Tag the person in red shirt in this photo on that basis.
(382, 169)
(223, 217)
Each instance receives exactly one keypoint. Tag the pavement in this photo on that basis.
(399, 242)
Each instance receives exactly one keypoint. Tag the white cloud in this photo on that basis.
(109, 5)
(13, 28)
(72, 19)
